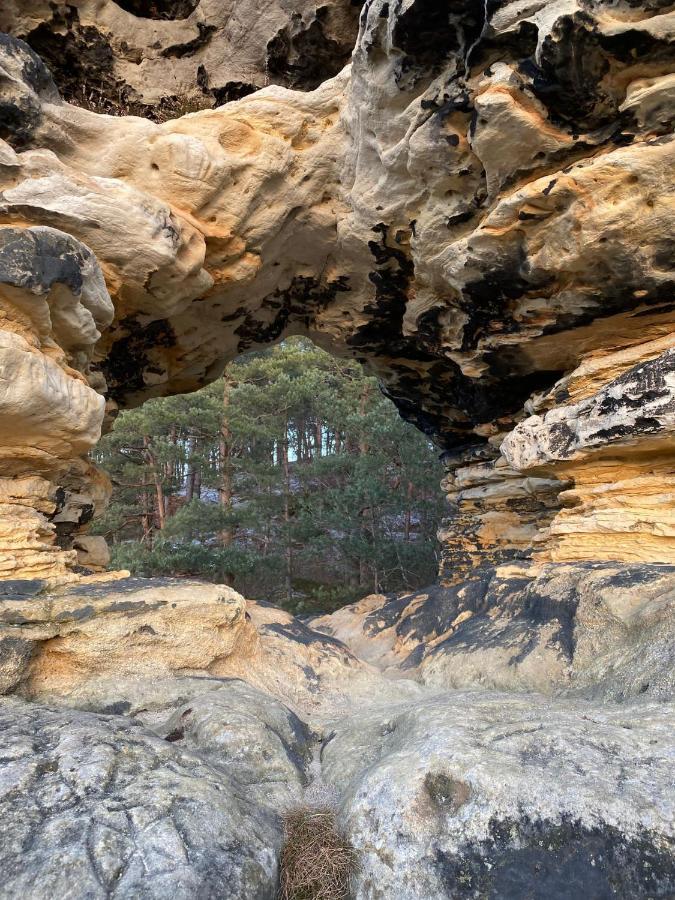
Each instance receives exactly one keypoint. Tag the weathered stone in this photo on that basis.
(117, 630)
(485, 794)
(478, 209)
(442, 792)
(15, 657)
(598, 630)
(92, 551)
(158, 58)
(96, 806)
(250, 734)
(24, 82)
(145, 647)
(309, 671)
(615, 448)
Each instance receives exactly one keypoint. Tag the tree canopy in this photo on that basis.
(292, 478)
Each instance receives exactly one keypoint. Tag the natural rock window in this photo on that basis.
(159, 9)
(479, 211)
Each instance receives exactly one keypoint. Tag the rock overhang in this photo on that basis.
(440, 210)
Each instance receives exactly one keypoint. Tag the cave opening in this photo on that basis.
(159, 9)
(292, 478)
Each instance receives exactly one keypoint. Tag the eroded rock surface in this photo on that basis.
(161, 57)
(599, 630)
(96, 806)
(480, 794)
(67, 642)
(120, 646)
(479, 208)
(194, 720)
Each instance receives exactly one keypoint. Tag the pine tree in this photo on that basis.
(292, 478)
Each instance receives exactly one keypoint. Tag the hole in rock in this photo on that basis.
(292, 477)
(159, 9)
(304, 55)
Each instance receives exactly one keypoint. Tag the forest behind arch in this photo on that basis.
(292, 478)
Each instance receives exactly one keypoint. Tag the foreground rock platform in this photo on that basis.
(172, 773)
(95, 806)
(462, 795)
(484, 794)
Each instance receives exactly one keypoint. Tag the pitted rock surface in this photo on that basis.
(96, 806)
(157, 57)
(479, 208)
(451, 795)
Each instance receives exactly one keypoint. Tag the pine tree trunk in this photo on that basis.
(363, 405)
(363, 449)
(172, 474)
(225, 452)
(160, 508)
(363, 572)
(408, 511)
(190, 475)
(146, 518)
(318, 438)
(287, 516)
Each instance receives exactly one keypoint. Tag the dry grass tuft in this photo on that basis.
(317, 860)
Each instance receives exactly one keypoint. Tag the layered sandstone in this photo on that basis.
(153, 771)
(57, 644)
(479, 209)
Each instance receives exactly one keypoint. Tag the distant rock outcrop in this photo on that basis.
(596, 630)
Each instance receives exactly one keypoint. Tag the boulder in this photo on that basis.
(97, 806)
(480, 794)
(65, 642)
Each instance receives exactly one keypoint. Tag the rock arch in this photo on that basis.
(436, 210)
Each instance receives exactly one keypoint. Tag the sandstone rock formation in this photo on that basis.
(158, 57)
(62, 643)
(479, 209)
(143, 781)
(603, 631)
(122, 645)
